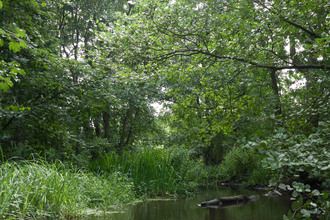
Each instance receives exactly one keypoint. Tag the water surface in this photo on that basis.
(270, 208)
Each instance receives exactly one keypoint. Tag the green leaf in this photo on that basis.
(20, 33)
(324, 195)
(326, 167)
(4, 86)
(315, 192)
(285, 217)
(43, 4)
(282, 186)
(305, 213)
(290, 215)
(295, 194)
(22, 44)
(5, 83)
(1, 4)
(295, 205)
(281, 130)
(313, 211)
(14, 46)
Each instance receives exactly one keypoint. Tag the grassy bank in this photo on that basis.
(38, 189)
(154, 172)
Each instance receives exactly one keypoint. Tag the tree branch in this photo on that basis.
(191, 52)
(8, 123)
(311, 33)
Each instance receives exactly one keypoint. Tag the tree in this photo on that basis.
(70, 81)
(27, 49)
(226, 59)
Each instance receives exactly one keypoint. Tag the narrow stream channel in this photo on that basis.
(270, 208)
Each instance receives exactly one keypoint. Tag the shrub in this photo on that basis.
(243, 164)
(203, 174)
(289, 155)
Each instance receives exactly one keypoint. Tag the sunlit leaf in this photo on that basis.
(14, 46)
(305, 213)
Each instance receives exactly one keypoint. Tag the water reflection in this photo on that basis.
(265, 208)
(270, 208)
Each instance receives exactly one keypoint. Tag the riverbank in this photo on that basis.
(36, 189)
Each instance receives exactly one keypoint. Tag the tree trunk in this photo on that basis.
(87, 130)
(278, 110)
(97, 122)
(131, 129)
(208, 154)
(125, 127)
(106, 124)
(219, 155)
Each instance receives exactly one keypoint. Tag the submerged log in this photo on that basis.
(228, 201)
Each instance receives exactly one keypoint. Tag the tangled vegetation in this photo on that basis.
(243, 84)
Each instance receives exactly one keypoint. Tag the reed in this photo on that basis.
(154, 171)
(41, 190)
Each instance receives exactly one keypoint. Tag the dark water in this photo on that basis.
(266, 208)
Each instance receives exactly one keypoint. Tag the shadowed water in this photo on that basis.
(270, 208)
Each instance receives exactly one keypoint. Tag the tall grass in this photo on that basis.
(37, 190)
(154, 171)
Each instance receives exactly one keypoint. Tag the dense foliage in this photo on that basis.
(153, 171)
(37, 190)
(244, 86)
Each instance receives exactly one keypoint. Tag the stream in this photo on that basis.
(270, 208)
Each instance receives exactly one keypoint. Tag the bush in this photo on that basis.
(243, 164)
(289, 155)
(203, 174)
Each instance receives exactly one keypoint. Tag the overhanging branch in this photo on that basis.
(191, 52)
